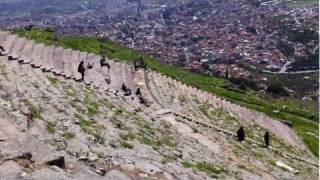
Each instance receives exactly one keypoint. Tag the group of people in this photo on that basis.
(82, 69)
(142, 100)
(139, 63)
(241, 136)
(127, 92)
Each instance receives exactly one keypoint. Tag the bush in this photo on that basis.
(277, 89)
(244, 83)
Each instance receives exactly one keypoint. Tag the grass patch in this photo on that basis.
(218, 86)
(84, 123)
(126, 144)
(53, 81)
(92, 129)
(71, 92)
(209, 169)
(69, 135)
(3, 71)
(93, 108)
(34, 110)
(51, 127)
(128, 136)
(298, 3)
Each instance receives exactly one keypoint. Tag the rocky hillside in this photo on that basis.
(95, 131)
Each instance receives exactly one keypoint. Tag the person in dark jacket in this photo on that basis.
(241, 134)
(104, 63)
(138, 92)
(266, 139)
(81, 70)
(124, 88)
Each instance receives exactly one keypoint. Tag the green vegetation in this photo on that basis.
(277, 89)
(209, 169)
(51, 127)
(92, 128)
(92, 106)
(69, 135)
(297, 3)
(128, 136)
(154, 137)
(70, 90)
(35, 111)
(126, 144)
(53, 80)
(3, 71)
(300, 117)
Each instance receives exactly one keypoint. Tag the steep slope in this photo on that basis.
(303, 119)
(97, 129)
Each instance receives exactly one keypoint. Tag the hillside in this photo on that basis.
(181, 132)
(299, 114)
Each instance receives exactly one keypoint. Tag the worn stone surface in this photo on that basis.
(98, 131)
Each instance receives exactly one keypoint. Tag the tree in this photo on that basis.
(277, 89)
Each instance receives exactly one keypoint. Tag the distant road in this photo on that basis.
(296, 72)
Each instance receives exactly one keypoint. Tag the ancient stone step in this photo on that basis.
(44, 59)
(67, 64)
(26, 54)
(37, 55)
(17, 48)
(3, 36)
(8, 43)
(115, 75)
(47, 57)
(75, 60)
(92, 75)
(57, 61)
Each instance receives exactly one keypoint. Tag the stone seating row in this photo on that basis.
(65, 62)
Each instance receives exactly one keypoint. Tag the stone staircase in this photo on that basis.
(163, 92)
(187, 115)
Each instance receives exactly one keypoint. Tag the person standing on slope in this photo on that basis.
(266, 139)
(241, 134)
(81, 70)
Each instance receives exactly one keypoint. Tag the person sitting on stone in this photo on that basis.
(90, 66)
(241, 134)
(108, 80)
(127, 92)
(138, 92)
(81, 70)
(124, 88)
(104, 63)
(142, 100)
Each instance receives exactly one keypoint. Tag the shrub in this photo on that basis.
(277, 89)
